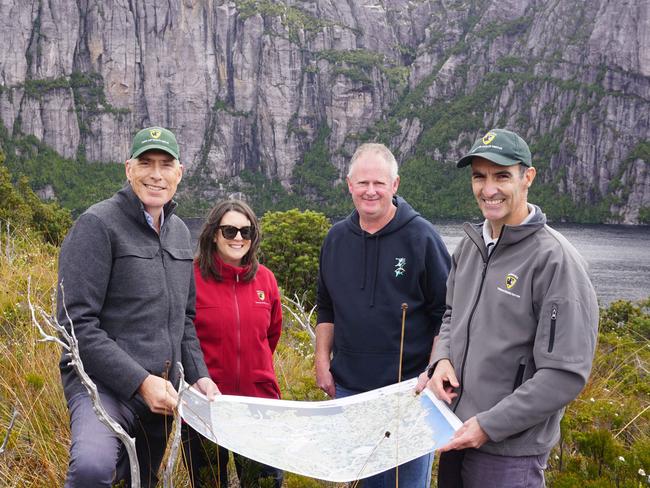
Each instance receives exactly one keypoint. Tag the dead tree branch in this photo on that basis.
(9, 429)
(9, 244)
(176, 433)
(68, 342)
(300, 315)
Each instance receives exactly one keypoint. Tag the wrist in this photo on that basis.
(322, 358)
(429, 369)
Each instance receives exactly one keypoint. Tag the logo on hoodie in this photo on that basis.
(260, 295)
(400, 266)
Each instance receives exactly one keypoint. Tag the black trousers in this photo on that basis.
(207, 464)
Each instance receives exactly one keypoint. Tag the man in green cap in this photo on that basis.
(519, 332)
(126, 266)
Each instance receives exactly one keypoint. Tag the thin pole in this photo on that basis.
(399, 380)
(401, 342)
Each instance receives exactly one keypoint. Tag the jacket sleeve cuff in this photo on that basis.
(194, 368)
(324, 315)
(131, 382)
(439, 355)
(492, 424)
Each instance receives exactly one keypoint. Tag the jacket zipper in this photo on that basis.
(551, 339)
(471, 316)
(519, 379)
(238, 324)
(169, 305)
(469, 323)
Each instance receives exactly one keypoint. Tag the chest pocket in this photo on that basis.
(134, 272)
(143, 252)
(180, 254)
(178, 269)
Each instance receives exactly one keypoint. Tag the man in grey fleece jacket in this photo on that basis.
(128, 289)
(519, 333)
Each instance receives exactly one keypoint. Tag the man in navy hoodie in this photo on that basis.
(382, 255)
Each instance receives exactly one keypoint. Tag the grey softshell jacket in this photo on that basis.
(130, 295)
(520, 331)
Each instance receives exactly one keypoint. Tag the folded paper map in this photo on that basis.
(336, 440)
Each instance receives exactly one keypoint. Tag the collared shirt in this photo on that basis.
(487, 229)
(150, 221)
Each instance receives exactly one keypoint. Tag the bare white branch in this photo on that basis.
(45, 337)
(176, 433)
(70, 344)
(296, 309)
(9, 242)
(9, 429)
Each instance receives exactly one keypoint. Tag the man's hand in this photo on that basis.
(208, 387)
(324, 378)
(470, 435)
(159, 394)
(324, 344)
(444, 381)
(423, 379)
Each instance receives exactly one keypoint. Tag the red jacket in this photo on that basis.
(239, 324)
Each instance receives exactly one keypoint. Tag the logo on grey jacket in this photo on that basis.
(510, 281)
(400, 266)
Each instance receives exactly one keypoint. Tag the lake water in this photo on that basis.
(618, 255)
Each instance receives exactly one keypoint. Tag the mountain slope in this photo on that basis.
(287, 90)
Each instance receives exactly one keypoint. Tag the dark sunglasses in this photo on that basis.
(230, 232)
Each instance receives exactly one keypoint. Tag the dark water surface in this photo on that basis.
(618, 255)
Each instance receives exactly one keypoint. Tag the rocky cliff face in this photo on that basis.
(250, 84)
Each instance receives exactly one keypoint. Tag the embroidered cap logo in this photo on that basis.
(488, 138)
(155, 133)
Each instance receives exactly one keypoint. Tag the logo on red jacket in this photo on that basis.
(261, 295)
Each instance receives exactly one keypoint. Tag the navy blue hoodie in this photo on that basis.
(363, 281)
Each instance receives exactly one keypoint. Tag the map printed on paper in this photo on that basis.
(337, 440)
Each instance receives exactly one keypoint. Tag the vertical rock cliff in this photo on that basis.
(254, 84)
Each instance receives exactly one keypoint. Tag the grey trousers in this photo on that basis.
(98, 458)
(470, 468)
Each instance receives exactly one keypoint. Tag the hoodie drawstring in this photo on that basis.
(374, 280)
(363, 260)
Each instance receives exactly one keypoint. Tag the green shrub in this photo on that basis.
(77, 184)
(290, 248)
(20, 207)
(606, 431)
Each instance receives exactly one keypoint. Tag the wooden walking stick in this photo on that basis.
(399, 380)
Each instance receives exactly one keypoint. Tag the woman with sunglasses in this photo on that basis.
(238, 322)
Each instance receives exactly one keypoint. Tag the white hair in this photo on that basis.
(378, 150)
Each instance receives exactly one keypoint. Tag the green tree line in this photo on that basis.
(21, 208)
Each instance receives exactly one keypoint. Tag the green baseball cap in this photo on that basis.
(500, 146)
(154, 138)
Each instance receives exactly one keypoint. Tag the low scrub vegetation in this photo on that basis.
(605, 434)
